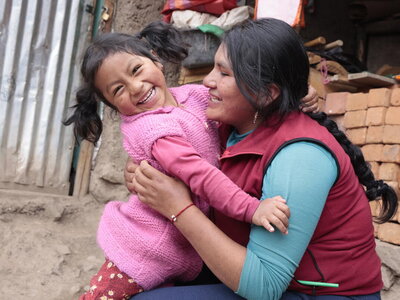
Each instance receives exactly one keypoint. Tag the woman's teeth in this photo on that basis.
(148, 96)
(215, 99)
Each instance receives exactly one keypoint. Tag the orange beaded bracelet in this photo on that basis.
(174, 217)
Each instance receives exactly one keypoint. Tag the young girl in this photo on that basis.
(169, 129)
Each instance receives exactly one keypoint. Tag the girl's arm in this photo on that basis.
(180, 159)
(266, 267)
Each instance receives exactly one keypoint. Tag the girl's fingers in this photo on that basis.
(267, 225)
(279, 199)
(278, 224)
(282, 218)
(283, 208)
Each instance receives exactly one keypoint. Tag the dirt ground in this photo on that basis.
(48, 247)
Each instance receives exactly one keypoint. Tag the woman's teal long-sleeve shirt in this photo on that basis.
(302, 173)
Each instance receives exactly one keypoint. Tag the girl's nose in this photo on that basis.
(135, 86)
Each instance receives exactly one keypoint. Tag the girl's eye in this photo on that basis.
(224, 74)
(117, 89)
(135, 69)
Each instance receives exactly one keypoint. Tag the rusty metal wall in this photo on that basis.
(41, 43)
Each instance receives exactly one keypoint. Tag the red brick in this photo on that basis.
(389, 232)
(357, 135)
(335, 103)
(354, 119)
(372, 152)
(395, 98)
(339, 120)
(391, 134)
(391, 153)
(374, 134)
(375, 168)
(356, 101)
(393, 115)
(389, 172)
(379, 97)
(375, 116)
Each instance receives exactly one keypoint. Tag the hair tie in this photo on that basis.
(380, 187)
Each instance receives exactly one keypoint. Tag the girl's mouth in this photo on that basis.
(148, 96)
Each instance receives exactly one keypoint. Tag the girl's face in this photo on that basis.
(227, 104)
(133, 84)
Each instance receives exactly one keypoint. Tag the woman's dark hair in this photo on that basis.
(157, 40)
(268, 51)
(258, 51)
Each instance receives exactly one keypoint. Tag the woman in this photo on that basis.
(260, 75)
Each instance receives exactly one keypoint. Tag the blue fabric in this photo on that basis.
(299, 296)
(194, 292)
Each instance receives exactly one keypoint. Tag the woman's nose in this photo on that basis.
(209, 80)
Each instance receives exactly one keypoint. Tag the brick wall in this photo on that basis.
(371, 120)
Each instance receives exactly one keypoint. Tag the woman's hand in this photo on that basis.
(272, 211)
(129, 174)
(310, 102)
(159, 191)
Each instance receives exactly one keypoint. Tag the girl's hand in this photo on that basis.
(310, 102)
(272, 211)
(129, 174)
(159, 191)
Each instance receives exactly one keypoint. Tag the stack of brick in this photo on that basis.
(372, 121)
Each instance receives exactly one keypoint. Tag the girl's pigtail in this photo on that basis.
(87, 122)
(165, 40)
(374, 188)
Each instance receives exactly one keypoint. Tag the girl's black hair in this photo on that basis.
(156, 41)
(268, 51)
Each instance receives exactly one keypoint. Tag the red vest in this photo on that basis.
(343, 244)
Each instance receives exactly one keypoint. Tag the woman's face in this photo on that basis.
(227, 104)
(132, 83)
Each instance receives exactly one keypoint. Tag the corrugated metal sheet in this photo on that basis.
(41, 42)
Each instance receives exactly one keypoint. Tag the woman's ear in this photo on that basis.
(274, 92)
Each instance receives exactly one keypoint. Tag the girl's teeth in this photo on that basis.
(148, 96)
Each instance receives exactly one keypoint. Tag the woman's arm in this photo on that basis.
(268, 264)
(179, 158)
(304, 173)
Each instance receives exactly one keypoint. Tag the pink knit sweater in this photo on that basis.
(141, 242)
(183, 143)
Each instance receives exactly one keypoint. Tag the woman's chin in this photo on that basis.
(213, 115)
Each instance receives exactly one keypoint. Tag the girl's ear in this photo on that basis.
(159, 65)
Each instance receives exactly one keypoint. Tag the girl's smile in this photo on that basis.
(133, 84)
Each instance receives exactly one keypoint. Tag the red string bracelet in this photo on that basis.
(174, 217)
